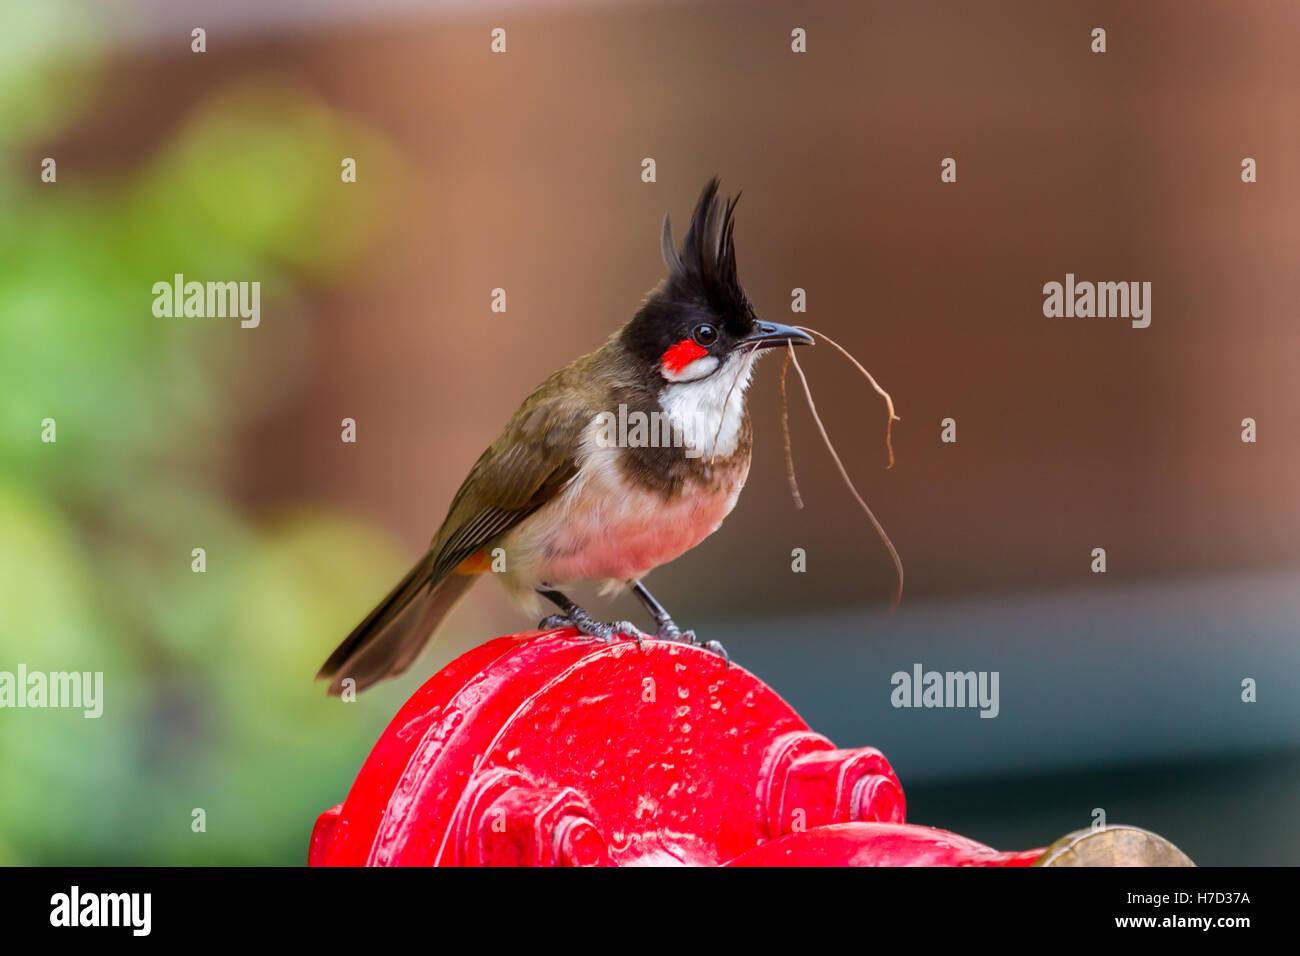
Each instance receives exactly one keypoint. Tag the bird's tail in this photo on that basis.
(392, 636)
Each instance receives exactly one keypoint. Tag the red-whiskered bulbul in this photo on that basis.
(568, 496)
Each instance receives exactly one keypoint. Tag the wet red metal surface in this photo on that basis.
(547, 748)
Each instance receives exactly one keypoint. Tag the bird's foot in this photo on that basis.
(669, 631)
(604, 631)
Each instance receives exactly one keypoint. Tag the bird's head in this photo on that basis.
(698, 322)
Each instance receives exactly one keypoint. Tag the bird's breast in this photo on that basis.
(607, 525)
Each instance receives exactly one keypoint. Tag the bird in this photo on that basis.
(618, 463)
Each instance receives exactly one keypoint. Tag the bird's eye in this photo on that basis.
(705, 334)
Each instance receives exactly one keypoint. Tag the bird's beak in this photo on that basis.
(774, 335)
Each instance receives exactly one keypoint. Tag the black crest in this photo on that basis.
(701, 286)
(706, 267)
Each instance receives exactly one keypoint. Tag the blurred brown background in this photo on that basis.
(1073, 433)
(522, 171)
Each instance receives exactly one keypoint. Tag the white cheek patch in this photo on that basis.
(709, 412)
(691, 371)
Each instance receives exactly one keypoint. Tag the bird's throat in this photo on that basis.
(710, 413)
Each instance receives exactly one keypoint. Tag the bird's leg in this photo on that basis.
(574, 616)
(668, 629)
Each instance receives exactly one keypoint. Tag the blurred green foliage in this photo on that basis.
(209, 701)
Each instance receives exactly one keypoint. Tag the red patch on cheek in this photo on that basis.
(682, 354)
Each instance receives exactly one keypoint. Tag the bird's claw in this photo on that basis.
(717, 648)
(590, 627)
(669, 631)
(606, 632)
(634, 632)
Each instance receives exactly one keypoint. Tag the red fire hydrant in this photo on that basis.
(550, 749)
